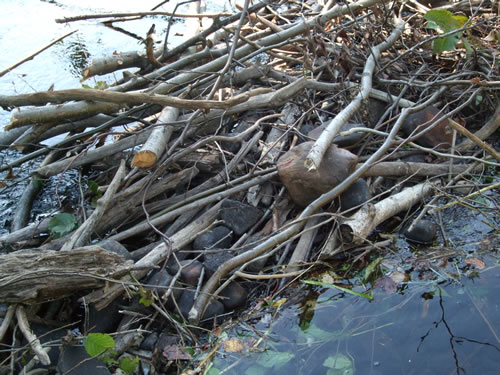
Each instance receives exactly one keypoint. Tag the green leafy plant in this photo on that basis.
(146, 297)
(100, 345)
(444, 21)
(62, 224)
(345, 290)
(94, 188)
(100, 85)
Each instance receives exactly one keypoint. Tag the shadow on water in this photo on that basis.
(442, 317)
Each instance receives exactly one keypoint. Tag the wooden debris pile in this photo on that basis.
(277, 136)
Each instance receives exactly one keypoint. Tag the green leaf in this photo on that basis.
(345, 290)
(146, 297)
(445, 21)
(97, 343)
(274, 359)
(62, 224)
(371, 269)
(339, 364)
(93, 186)
(37, 183)
(128, 364)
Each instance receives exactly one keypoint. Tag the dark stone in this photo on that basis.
(115, 247)
(149, 342)
(214, 260)
(239, 216)
(165, 339)
(355, 195)
(424, 232)
(219, 237)
(440, 136)
(49, 334)
(340, 140)
(105, 320)
(75, 358)
(233, 296)
(163, 279)
(191, 271)
(215, 308)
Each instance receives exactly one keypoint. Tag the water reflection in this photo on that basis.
(78, 57)
(431, 327)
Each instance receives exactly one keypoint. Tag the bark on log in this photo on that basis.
(35, 276)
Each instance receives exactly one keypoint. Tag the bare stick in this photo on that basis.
(30, 57)
(319, 148)
(34, 342)
(139, 14)
(82, 234)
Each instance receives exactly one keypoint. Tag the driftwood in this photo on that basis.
(34, 276)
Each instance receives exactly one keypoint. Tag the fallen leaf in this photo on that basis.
(176, 353)
(476, 262)
(233, 346)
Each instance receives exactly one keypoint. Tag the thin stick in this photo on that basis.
(30, 57)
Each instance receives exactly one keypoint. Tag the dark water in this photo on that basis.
(445, 319)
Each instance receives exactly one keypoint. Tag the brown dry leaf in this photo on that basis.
(176, 353)
(476, 262)
(2, 184)
(233, 346)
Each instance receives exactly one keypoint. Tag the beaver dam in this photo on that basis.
(281, 154)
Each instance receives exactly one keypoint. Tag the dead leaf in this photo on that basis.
(176, 353)
(233, 346)
(476, 262)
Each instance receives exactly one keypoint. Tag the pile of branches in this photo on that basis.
(229, 114)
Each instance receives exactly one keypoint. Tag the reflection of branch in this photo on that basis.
(30, 57)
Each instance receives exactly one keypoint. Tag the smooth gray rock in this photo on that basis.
(239, 216)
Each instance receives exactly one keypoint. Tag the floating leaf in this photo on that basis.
(62, 224)
(326, 285)
(97, 343)
(274, 359)
(233, 346)
(476, 262)
(371, 270)
(339, 364)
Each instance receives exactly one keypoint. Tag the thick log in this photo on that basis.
(36, 276)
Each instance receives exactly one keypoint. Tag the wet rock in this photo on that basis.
(218, 238)
(340, 140)
(105, 320)
(214, 309)
(439, 136)
(191, 271)
(355, 195)
(48, 334)
(214, 260)
(76, 359)
(239, 216)
(424, 232)
(163, 279)
(305, 186)
(233, 296)
(164, 340)
(149, 342)
(115, 247)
